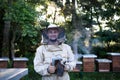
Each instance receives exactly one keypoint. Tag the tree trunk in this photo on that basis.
(79, 33)
(100, 27)
(7, 22)
(2, 12)
(76, 22)
(5, 46)
(54, 15)
(12, 48)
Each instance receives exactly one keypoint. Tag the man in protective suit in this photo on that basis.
(54, 59)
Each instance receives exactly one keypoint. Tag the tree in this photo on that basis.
(5, 47)
(86, 13)
(79, 17)
(21, 16)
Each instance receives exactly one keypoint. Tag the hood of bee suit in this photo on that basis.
(61, 36)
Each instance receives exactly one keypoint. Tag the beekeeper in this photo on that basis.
(53, 46)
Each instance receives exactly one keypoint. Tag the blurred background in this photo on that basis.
(92, 26)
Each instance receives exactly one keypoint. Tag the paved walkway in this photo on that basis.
(12, 73)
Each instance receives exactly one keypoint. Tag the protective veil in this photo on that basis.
(45, 53)
(61, 37)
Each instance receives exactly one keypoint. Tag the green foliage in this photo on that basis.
(105, 36)
(32, 75)
(108, 36)
(69, 31)
(110, 40)
(117, 25)
(99, 51)
(44, 24)
(22, 16)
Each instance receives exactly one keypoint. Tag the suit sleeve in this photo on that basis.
(39, 65)
(71, 63)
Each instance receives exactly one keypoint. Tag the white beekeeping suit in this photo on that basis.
(45, 53)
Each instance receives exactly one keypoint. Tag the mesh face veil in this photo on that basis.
(61, 36)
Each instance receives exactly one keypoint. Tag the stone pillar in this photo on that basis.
(115, 57)
(20, 62)
(4, 62)
(103, 65)
(78, 66)
(89, 62)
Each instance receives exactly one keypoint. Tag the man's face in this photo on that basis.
(53, 34)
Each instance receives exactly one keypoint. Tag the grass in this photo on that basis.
(32, 75)
(95, 76)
